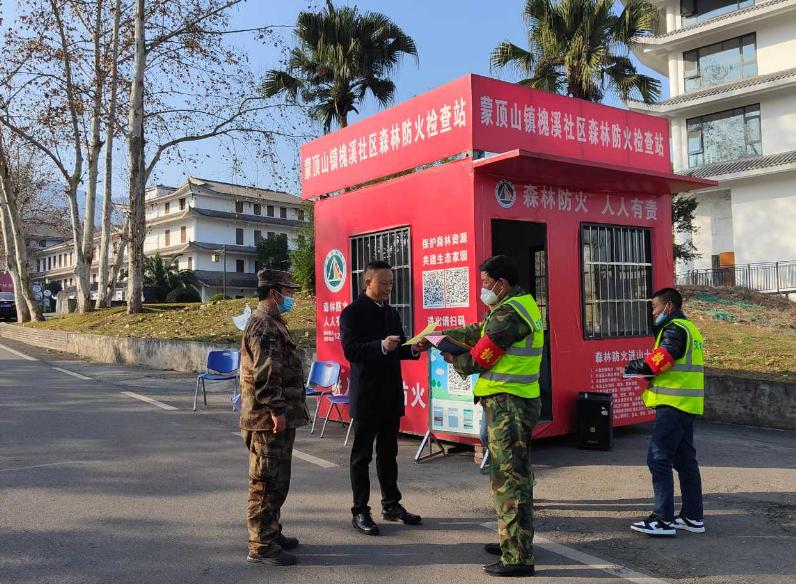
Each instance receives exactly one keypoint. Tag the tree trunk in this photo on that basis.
(135, 143)
(107, 294)
(23, 314)
(103, 294)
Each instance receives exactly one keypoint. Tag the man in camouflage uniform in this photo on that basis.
(272, 407)
(506, 353)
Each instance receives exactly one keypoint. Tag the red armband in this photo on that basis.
(486, 353)
(659, 360)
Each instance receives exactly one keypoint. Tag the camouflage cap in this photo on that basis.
(269, 277)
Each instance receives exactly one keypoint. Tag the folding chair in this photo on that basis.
(335, 401)
(221, 365)
(324, 375)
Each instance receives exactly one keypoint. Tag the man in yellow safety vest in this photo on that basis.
(677, 393)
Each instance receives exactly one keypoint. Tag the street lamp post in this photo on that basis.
(223, 258)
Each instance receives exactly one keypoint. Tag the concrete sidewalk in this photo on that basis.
(585, 500)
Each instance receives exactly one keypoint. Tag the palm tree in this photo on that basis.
(342, 55)
(581, 47)
(163, 274)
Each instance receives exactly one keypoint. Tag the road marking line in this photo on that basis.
(73, 374)
(148, 400)
(43, 465)
(17, 353)
(307, 457)
(589, 560)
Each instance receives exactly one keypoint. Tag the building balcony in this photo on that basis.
(745, 167)
(718, 97)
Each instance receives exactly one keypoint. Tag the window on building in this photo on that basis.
(182, 204)
(240, 265)
(239, 206)
(270, 235)
(167, 237)
(720, 63)
(239, 236)
(38, 265)
(49, 262)
(166, 208)
(269, 210)
(183, 234)
(71, 258)
(300, 214)
(60, 260)
(617, 281)
(258, 235)
(696, 11)
(190, 262)
(392, 247)
(258, 209)
(723, 136)
(282, 213)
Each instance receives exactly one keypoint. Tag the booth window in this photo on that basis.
(393, 247)
(617, 281)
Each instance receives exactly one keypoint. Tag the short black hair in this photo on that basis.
(501, 266)
(375, 266)
(264, 291)
(670, 296)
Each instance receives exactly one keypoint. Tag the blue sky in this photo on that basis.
(453, 38)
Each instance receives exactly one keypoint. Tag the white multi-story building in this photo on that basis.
(731, 66)
(203, 222)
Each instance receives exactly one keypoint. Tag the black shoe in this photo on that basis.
(508, 570)
(287, 543)
(492, 548)
(363, 522)
(398, 513)
(278, 559)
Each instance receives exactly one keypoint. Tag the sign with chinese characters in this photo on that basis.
(478, 113)
(606, 376)
(452, 409)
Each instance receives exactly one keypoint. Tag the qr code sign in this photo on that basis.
(457, 385)
(434, 289)
(457, 287)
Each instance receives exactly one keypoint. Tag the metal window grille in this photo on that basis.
(540, 282)
(393, 247)
(617, 281)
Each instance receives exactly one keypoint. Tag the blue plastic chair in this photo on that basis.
(221, 366)
(323, 377)
(335, 401)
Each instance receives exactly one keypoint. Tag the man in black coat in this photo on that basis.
(373, 337)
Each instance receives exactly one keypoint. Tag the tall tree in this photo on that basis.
(272, 252)
(581, 48)
(342, 56)
(303, 257)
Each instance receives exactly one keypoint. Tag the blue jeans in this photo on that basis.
(672, 446)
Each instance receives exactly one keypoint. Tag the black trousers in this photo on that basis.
(385, 432)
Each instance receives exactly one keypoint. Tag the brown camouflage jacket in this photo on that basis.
(271, 373)
(504, 329)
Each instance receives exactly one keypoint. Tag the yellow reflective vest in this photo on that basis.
(517, 371)
(682, 386)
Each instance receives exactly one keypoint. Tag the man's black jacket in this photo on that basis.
(674, 339)
(376, 387)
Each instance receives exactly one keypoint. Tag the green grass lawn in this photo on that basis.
(745, 332)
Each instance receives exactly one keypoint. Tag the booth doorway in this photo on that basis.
(526, 242)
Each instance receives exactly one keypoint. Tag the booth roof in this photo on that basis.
(575, 173)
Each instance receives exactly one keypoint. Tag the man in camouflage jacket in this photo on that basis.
(510, 417)
(272, 407)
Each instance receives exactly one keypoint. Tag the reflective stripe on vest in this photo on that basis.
(517, 372)
(682, 386)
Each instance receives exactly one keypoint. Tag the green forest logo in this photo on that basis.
(334, 270)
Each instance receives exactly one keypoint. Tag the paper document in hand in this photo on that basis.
(637, 376)
(422, 334)
(447, 345)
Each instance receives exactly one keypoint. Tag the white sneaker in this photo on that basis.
(691, 525)
(654, 526)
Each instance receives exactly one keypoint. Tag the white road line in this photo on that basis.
(73, 374)
(306, 457)
(148, 400)
(589, 560)
(44, 465)
(17, 353)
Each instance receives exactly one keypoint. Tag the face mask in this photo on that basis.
(661, 317)
(488, 296)
(286, 304)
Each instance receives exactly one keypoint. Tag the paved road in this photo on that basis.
(98, 486)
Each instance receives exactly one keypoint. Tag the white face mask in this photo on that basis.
(488, 296)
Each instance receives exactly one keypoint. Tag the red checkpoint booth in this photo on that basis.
(578, 193)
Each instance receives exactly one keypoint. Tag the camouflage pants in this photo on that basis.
(510, 421)
(269, 480)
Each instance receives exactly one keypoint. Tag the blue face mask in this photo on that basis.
(286, 304)
(661, 317)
